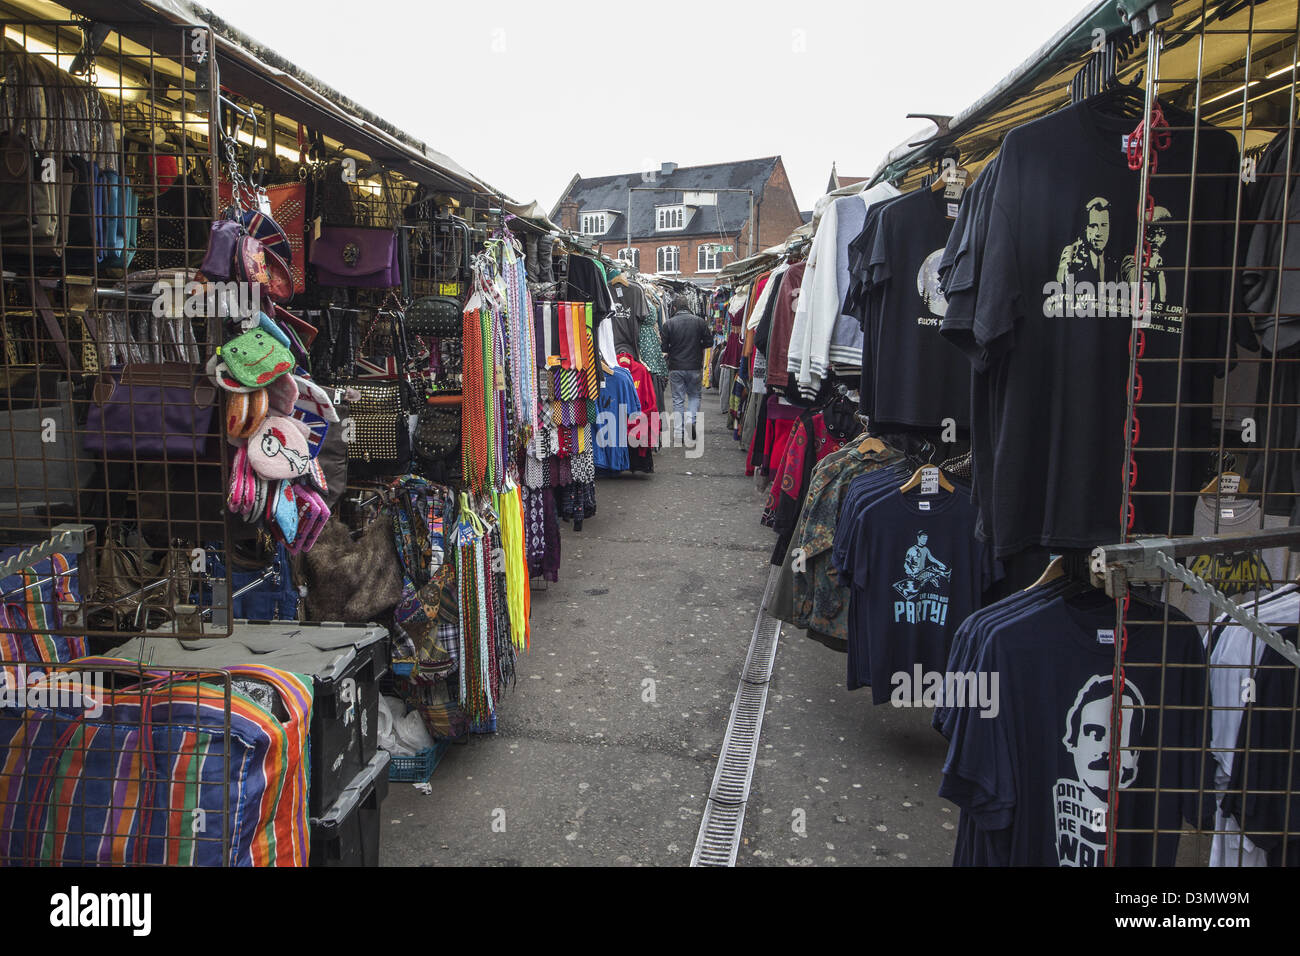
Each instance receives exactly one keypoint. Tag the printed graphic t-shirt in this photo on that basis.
(1053, 305)
(1039, 769)
(920, 378)
(916, 572)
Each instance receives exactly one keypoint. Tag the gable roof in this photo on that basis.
(727, 217)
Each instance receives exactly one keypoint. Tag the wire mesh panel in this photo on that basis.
(106, 415)
(1207, 607)
(114, 762)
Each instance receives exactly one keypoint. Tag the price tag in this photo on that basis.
(930, 481)
(449, 288)
(1229, 484)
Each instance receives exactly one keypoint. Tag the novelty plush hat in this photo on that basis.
(253, 359)
(278, 449)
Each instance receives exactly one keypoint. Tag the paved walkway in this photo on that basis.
(607, 745)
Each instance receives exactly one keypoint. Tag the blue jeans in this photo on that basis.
(686, 393)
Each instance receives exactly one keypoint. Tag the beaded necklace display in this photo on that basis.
(476, 667)
(473, 430)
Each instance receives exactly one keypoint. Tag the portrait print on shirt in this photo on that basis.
(923, 587)
(1081, 800)
(1097, 275)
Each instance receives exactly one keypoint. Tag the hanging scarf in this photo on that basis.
(510, 510)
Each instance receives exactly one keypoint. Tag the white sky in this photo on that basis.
(525, 93)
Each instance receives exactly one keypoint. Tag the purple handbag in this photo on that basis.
(152, 410)
(219, 262)
(357, 256)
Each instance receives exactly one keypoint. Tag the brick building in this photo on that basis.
(680, 216)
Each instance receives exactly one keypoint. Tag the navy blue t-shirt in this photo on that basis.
(1040, 769)
(916, 571)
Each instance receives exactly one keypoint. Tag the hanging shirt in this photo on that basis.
(629, 307)
(782, 326)
(1054, 304)
(920, 379)
(917, 571)
(1038, 767)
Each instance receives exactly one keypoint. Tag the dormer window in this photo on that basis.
(670, 218)
(594, 223)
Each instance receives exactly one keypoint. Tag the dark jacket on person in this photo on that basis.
(685, 338)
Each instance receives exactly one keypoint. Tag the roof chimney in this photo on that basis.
(569, 215)
(667, 169)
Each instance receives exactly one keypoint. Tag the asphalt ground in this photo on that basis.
(606, 746)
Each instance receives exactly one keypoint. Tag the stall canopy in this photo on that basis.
(267, 78)
(1041, 84)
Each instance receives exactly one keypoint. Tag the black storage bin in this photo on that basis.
(346, 663)
(348, 833)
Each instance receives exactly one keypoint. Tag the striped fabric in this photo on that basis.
(146, 781)
(30, 603)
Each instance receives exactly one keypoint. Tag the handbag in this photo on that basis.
(255, 263)
(120, 223)
(438, 432)
(439, 316)
(219, 260)
(32, 211)
(380, 442)
(173, 227)
(353, 580)
(289, 209)
(35, 472)
(356, 256)
(152, 410)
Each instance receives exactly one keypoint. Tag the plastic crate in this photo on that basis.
(417, 768)
(349, 832)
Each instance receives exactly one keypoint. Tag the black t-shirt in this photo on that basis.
(920, 379)
(917, 571)
(862, 302)
(585, 283)
(629, 308)
(1039, 768)
(959, 277)
(859, 272)
(1050, 304)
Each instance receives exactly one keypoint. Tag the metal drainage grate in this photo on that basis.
(724, 814)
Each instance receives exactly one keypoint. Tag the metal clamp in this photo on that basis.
(1155, 561)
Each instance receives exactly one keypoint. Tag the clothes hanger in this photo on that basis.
(921, 473)
(1054, 571)
(1226, 483)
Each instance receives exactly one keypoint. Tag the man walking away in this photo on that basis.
(685, 338)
